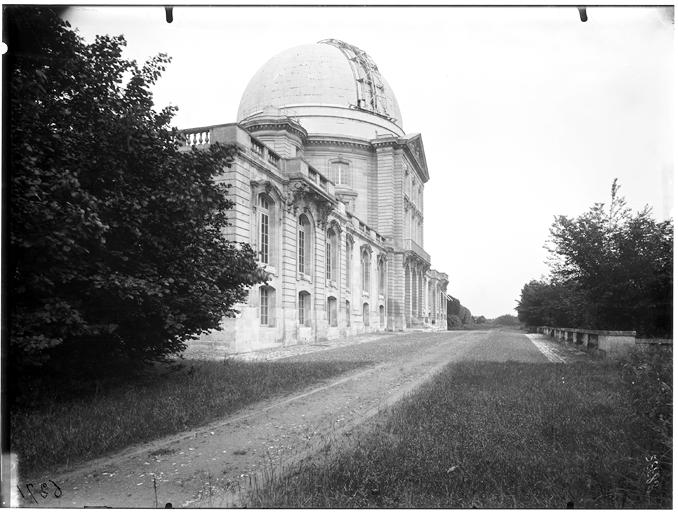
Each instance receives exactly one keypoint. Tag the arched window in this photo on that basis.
(331, 255)
(304, 245)
(382, 316)
(349, 262)
(332, 311)
(267, 306)
(304, 308)
(265, 206)
(348, 314)
(382, 276)
(340, 173)
(366, 314)
(365, 263)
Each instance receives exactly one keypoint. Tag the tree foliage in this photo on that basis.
(453, 306)
(116, 234)
(507, 320)
(610, 269)
(457, 315)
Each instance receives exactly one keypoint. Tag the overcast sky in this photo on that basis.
(525, 113)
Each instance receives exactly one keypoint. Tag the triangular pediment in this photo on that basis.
(415, 145)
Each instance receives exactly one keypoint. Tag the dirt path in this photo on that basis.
(558, 351)
(210, 466)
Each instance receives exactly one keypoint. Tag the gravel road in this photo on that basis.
(210, 466)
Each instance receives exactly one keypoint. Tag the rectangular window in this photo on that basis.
(302, 309)
(263, 306)
(263, 238)
(340, 173)
(381, 277)
(300, 243)
(333, 262)
(348, 265)
(366, 271)
(328, 261)
(332, 311)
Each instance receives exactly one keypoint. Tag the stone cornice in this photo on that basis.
(275, 124)
(414, 259)
(335, 141)
(358, 235)
(386, 141)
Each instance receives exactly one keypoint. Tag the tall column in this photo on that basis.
(427, 297)
(319, 300)
(434, 302)
(383, 206)
(420, 301)
(413, 309)
(396, 298)
(408, 295)
(289, 274)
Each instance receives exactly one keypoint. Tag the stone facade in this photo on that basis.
(336, 218)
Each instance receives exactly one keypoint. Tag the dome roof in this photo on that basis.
(330, 87)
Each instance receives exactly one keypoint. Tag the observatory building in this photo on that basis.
(328, 189)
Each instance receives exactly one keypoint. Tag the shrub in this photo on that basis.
(648, 378)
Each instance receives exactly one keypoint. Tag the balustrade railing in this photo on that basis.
(411, 245)
(273, 159)
(609, 343)
(197, 138)
(257, 148)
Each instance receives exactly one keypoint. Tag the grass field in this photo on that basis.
(502, 435)
(54, 424)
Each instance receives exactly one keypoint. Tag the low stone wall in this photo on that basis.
(606, 343)
(654, 344)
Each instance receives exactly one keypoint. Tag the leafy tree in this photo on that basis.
(116, 233)
(508, 320)
(610, 269)
(465, 315)
(549, 303)
(453, 306)
(453, 321)
(457, 313)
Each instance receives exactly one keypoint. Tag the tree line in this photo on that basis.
(609, 269)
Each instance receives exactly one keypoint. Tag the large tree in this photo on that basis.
(116, 233)
(550, 303)
(611, 269)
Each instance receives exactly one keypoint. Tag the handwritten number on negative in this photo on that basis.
(58, 489)
(44, 490)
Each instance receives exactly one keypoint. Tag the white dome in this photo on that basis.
(330, 87)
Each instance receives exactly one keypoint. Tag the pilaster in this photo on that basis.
(385, 191)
